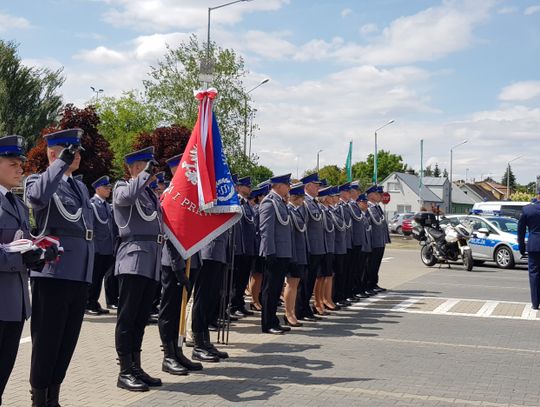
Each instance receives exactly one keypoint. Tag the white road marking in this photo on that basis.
(487, 309)
(445, 306)
(26, 339)
(387, 259)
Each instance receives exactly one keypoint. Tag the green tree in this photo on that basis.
(122, 120)
(333, 174)
(387, 163)
(445, 173)
(29, 100)
(260, 173)
(437, 171)
(428, 172)
(171, 84)
(521, 197)
(506, 177)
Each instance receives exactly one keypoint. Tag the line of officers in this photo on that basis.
(327, 242)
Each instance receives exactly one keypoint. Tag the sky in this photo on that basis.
(444, 71)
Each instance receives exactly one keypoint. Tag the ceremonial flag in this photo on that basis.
(348, 164)
(201, 202)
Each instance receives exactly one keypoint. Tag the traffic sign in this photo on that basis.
(386, 198)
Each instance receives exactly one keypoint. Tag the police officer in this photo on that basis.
(103, 242)
(340, 255)
(365, 255)
(380, 237)
(277, 248)
(358, 235)
(530, 222)
(317, 246)
(243, 262)
(61, 207)
(173, 278)
(138, 259)
(13, 265)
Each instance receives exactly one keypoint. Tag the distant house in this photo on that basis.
(407, 195)
(498, 190)
(477, 193)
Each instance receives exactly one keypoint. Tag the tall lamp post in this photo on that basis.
(207, 66)
(97, 92)
(266, 80)
(375, 157)
(508, 176)
(318, 152)
(451, 168)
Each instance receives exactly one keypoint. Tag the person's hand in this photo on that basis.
(51, 253)
(183, 280)
(32, 258)
(151, 167)
(522, 250)
(67, 155)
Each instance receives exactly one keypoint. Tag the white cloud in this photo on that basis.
(529, 11)
(369, 29)
(346, 12)
(9, 22)
(520, 91)
(101, 55)
(507, 10)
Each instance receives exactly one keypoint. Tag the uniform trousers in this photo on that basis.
(206, 294)
(375, 261)
(356, 269)
(103, 263)
(171, 303)
(274, 278)
(57, 314)
(242, 269)
(534, 277)
(340, 280)
(307, 285)
(134, 307)
(348, 272)
(364, 267)
(10, 335)
(111, 287)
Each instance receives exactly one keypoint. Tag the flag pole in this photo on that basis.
(183, 309)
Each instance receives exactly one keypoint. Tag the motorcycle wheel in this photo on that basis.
(468, 261)
(427, 256)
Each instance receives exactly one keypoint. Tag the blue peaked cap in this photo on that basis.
(371, 189)
(345, 187)
(146, 154)
(101, 181)
(297, 189)
(174, 161)
(311, 178)
(325, 191)
(380, 190)
(244, 182)
(12, 146)
(281, 179)
(64, 138)
(362, 198)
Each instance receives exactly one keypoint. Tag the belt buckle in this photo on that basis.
(89, 234)
(160, 239)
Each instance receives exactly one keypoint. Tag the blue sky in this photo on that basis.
(444, 70)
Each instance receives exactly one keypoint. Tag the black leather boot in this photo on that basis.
(126, 379)
(141, 374)
(199, 350)
(39, 397)
(212, 349)
(53, 396)
(184, 361)
(170, 363)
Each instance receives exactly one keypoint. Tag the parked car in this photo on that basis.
(501, 208)
(396, 223)
(407, 227)
(495, 240)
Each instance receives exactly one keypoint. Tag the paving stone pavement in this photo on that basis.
(382, 353)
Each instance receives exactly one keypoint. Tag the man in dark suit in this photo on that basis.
(62, 208)
(530, 222)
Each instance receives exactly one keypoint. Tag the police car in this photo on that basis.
(495, 238)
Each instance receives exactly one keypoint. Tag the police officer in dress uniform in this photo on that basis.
(137, 214)
(103, 243)
(352, 250)
(277, 247)
(173, 278)
(380, 237)
(317, 246)
(255, 281)
(530, 222)
(14, 221)
(243, 263)
(340, 255)
(366, 246)
(61, 207)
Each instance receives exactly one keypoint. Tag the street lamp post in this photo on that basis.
(451, 169)
(508, 176)
(266, 80)
(206, 66)
(318, 152)
(97, 92)
(252, 116)
(375, 157)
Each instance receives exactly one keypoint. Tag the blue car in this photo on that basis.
(495, 239)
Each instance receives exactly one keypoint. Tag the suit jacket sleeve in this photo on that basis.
(40, 188)
(522, 229)
(267, 219)
(126, 194)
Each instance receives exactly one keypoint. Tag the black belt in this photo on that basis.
(144, 238)
(81, 234)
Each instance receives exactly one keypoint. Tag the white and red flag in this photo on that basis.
(201, 201)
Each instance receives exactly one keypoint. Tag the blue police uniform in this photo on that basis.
(530, 222)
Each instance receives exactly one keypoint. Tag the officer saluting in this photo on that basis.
(530, 221)
(62, 208)
(103, 242)
(138, 259)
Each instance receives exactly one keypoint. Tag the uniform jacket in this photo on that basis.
(300, 234)
(104, 228)
(357, 229)
(366, 242)
(131, 201)
(13, 272)
(340, 242)
(218, 249)
(315, 232)
(247, 223)
(380, 236)
(47, 194)
(530, 221)
(329, 230)
(345, 211)
(275, 227)
(170, 251)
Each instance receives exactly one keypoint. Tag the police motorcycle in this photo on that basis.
(442, 244)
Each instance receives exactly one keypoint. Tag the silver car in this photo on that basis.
(396, 223)
(495, 241)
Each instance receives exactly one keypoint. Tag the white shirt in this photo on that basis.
(100, 198)
(3, 190)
